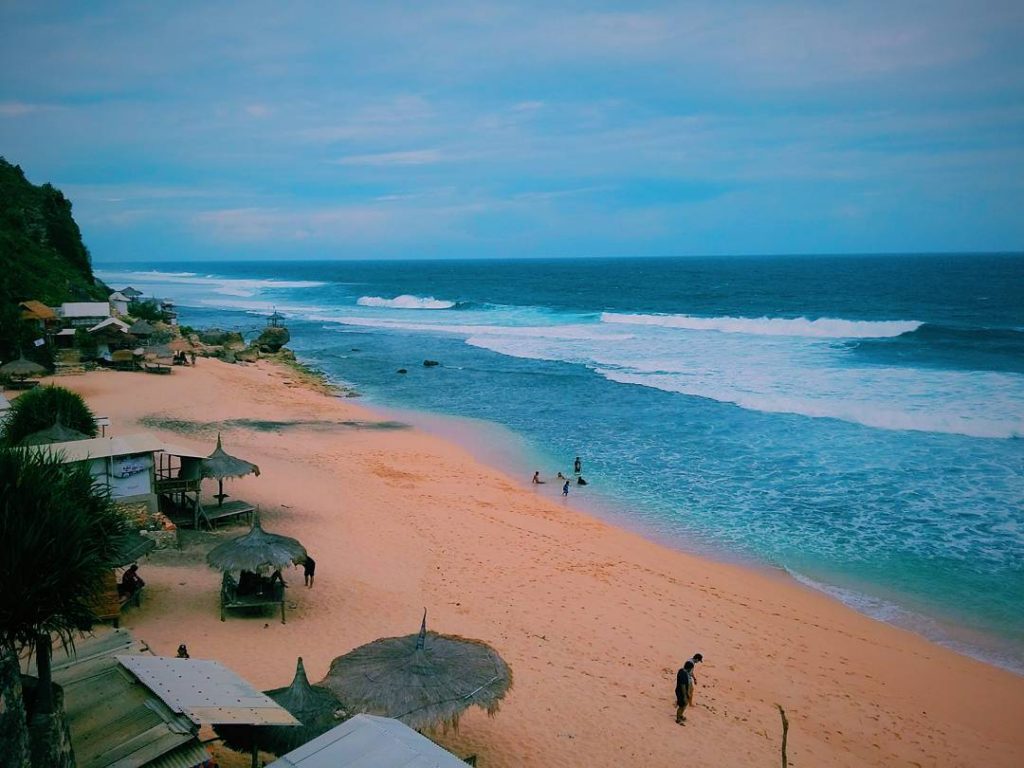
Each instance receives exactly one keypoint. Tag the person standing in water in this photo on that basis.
(577, 466)
(565, 488)
(536, 478)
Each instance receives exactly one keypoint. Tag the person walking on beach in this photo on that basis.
(565, 488)
(309, 570)
(577, 466)
(697, 658)
(684, 691)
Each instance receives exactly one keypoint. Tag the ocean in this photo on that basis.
(854, 420)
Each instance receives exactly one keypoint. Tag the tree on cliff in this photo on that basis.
(58, 534)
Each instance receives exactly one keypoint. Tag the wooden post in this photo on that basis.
(785, 732)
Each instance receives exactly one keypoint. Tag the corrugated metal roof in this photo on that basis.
(110, 322)
(189, 453)
(368, 741)
(85, 309)
(104, 447)
(115, 721)
(206, 691)
(37, 310)
(185, 756)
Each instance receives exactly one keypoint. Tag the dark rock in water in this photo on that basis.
(355, 349)
(272, 338)
(402, 370)
(430, 363)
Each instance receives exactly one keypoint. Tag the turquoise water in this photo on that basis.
(854, 420)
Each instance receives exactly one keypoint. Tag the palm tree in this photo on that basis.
(39, 408)
(57, 542)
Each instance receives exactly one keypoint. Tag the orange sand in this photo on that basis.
(593, 620)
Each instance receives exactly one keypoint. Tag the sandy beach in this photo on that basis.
(593, 620)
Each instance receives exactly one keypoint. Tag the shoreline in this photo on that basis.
(575, 604)
(471, 435)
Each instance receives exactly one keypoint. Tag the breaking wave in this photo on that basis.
(405, 301)
(821, 328)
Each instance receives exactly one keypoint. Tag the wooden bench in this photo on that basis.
(22, 384)
(109, 603)
(273, 594)
(211, 514)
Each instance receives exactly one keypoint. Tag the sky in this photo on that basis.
(205, 131)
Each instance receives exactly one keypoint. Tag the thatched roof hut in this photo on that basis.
(423, 680)
(317, 708)
(21, 368)
(257, 551)
(141, 328)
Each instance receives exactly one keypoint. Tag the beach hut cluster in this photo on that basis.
(111, 333)
(387, 692)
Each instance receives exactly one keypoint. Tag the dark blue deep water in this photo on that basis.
(854, 420)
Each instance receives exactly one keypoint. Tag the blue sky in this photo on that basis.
(197, 130)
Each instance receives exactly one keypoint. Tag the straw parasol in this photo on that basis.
(257, 552)
(21, 368)
(317, 708)
(423, 680)
(57, 433)
(180, 345)
(220, 464)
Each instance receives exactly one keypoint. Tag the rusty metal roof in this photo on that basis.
(114, 720)
(206, 692)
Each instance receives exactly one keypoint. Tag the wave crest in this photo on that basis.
(405, 301)
(822, 327)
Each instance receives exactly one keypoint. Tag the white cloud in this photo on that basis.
(411, 157)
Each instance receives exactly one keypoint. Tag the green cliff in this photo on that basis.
(41, 251)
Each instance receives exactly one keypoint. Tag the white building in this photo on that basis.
(119, 303)
(124, 465)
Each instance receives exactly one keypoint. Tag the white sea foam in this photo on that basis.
(157, 282)
(820, 328)
(807, 377)
(978, 646)
(405, 301)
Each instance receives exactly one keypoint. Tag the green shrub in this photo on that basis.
(38, 408)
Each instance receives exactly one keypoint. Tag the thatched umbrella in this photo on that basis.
(317, 708)
(220, 464)
(257, 552)
(57, 433)
(21, 368)
(423, 680)
(180, 345)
